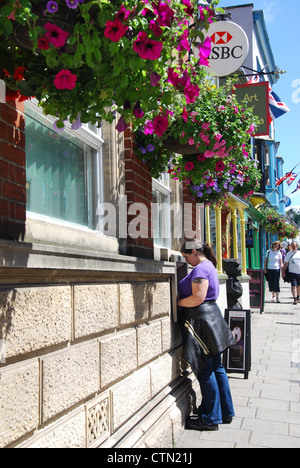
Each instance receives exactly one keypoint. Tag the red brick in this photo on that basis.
(4, 169)
(13, 154)
(13, 192)
(21, 212)
(4, 208)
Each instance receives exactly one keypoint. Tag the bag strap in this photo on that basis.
(292, 257)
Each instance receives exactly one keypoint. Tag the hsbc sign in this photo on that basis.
(230, 47)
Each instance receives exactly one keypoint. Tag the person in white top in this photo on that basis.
(272, 269)
(292, 260)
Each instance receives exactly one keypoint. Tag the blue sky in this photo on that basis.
(282, 22)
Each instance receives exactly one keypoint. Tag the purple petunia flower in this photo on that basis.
(73, 4)
(76, 125)
(150, 148)
(52, 6)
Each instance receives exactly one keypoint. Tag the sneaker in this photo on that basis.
(295, 302)
(195, 423)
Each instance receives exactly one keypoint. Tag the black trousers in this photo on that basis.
(273, 280)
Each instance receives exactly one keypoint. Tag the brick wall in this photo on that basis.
(138, 188)
(12, 172)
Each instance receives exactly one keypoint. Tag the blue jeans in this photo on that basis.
(216, 396)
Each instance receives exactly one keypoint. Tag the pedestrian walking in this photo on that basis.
(272, 268)
(205, 336)
(292, 262)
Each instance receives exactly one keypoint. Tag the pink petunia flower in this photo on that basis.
(209, 154)
(204, 52)
(65, 80)
(165, 14)
(115, 30)
(185, 114)
(137, 111)
(55, 35)
(148, 127)
(251, 129)
(220, 166)
(155, 28)
(147, 48)
(191, 93)
(160, 124)
(189, 166)
(43, 43)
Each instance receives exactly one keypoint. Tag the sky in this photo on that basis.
(282, 23)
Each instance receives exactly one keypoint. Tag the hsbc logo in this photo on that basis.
(223, 37)
(230, 47)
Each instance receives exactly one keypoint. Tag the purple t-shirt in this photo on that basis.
(204, 270)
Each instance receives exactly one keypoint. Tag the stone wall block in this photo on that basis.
(69, 377)
(19, 401)
(149, 342)
(160, 300)
(171, 336)
(134, 302)
(34, 318)
(96, 309)
(130, 396)
(118, 356)
(164, 371)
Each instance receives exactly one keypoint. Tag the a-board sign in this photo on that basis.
(181, 271)
(237, 358)
(256, 289)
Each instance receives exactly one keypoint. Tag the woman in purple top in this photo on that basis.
(205, 336)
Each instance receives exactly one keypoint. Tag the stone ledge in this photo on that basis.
(46, 259)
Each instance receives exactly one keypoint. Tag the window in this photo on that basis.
(63, 170)
(161, 211)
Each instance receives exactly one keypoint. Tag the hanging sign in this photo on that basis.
(256, 96)
(230, 47)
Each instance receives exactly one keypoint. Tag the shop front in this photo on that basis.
(226, 233)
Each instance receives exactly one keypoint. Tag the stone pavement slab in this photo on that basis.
(267, 405)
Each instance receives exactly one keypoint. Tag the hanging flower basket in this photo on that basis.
(95, 60)
(174, 145)
(275, 223)
(211, 149)
(64, 17)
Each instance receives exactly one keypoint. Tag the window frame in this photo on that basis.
(158, 185)
(89, 138)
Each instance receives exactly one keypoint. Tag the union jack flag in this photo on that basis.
(277, 107)
(298, 186)
(291, 179)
